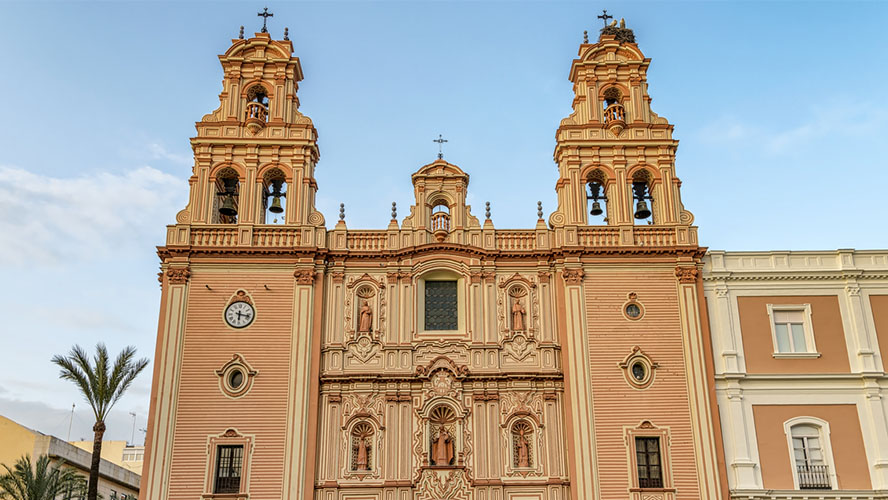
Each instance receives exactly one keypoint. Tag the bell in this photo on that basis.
(641, 210)
(228, 207)
(596, 208)
(276, 207)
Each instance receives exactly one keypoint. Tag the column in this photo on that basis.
(165, 389)
(698, 392)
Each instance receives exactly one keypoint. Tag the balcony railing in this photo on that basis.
(440, 221)
(230, 484)
(813, 477)
(256, 111)
(614, 113)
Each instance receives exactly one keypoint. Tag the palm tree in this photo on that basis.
(41, 482)
(101, 389)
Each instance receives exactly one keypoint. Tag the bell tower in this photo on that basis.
(255, 155)
(615, 156)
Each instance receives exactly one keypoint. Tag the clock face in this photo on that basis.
(239, 314)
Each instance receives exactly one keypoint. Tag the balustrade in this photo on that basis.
(257, 111)
(440, 222)
(813, 477)
(614, 113)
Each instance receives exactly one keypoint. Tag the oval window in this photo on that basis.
(639, 372)
(633, 311)
(236, 379)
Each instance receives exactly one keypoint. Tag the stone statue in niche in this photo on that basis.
(361, 460)
(521, 443)
(518, 316)
(442, 448)
(365, 321)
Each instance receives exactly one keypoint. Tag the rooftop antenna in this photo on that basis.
(70, 422)
(133, 436)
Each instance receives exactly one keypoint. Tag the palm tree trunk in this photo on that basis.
(92, 491)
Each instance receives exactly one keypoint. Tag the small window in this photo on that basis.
(441, 305)
(789, 327)
(229, 464)
(647, 457)
(807, 449)
(791, 330)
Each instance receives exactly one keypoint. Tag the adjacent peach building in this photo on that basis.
(799, 342)
(436, 357)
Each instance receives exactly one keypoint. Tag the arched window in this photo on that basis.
(440, 218)
(274, 193)
(362, 455)
(227, 196)
(257, 104)
(613, 109)
(596, 195)
(641, 193)
(809, 457)
(522, 445)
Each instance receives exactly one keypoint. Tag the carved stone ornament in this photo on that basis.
(178, 275)
(573, 276)
(241, 296)
(362, 435)
(444, 484)
(639, 369)
(304, 276)
(686, 274)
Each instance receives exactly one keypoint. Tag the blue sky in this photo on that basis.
(779, 107)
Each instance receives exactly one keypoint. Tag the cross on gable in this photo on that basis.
(440, 140)
(265, 15)
(604, 17)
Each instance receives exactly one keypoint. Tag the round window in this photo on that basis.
(633, 311)
(639, 372)
(236, 379)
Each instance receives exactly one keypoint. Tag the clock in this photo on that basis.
(239, 314)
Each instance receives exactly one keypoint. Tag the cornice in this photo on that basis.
(792, 276)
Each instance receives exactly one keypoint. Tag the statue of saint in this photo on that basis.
(442, 448)
(518, 316)
(366, 321)
(521, 441)
(361, 462)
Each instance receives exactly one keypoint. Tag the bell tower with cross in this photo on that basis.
(255, 155)
(615, 155)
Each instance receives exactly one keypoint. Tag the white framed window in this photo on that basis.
(441, 303)
(791, 331)
(810, 452)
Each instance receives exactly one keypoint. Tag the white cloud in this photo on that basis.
(47, 219)
(158, 152)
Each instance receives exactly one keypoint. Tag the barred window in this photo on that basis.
(441, 305)
(647, 457)
(229, 464)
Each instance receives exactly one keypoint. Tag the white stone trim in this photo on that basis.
(826, 446)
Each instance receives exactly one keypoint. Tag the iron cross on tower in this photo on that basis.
(604, 17)
(265, 15)
(440, 140)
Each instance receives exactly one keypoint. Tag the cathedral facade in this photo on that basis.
(439, 357)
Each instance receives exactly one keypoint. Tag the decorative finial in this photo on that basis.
(394, 211)
(440, 140)
(241, 35)
(604, 17)
(539, 210)
(585, 36)
(342, 211)
(287, 34)
(265, 15)
(487, 209)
